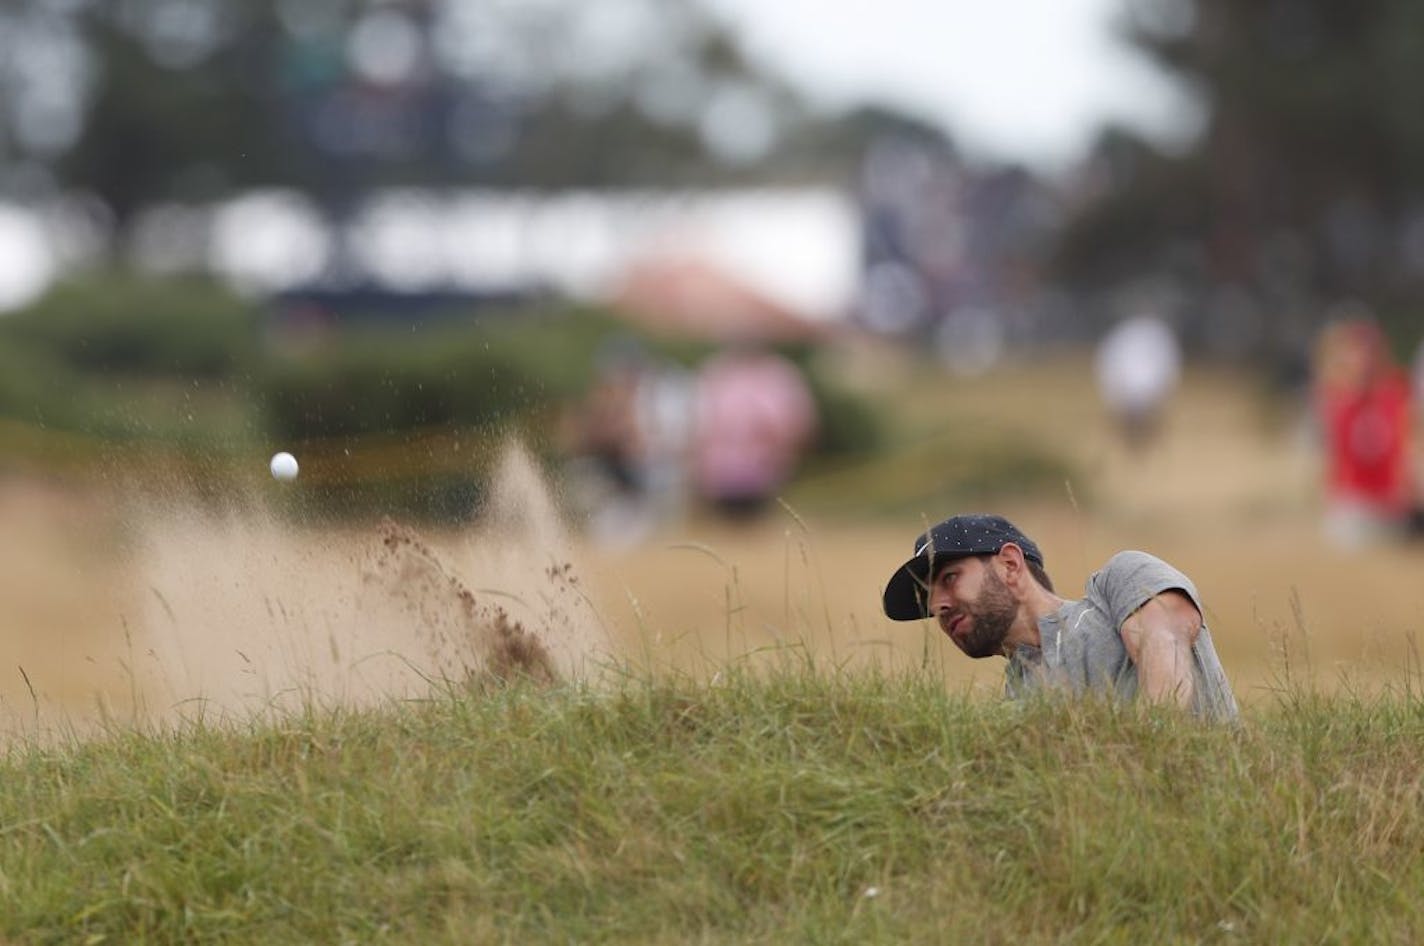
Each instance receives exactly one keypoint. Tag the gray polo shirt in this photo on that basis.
(1082, 649)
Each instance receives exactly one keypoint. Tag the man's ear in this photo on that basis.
(1012, 563)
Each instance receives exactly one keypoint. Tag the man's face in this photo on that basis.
(974, 607)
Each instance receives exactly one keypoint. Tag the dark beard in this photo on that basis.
(993, 614)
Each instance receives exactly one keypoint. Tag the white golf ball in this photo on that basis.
(284, 466)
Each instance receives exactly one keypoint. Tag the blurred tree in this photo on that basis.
(146, 101)
(175, 110)
(1306, 185)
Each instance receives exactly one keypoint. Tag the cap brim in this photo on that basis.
(905, 595)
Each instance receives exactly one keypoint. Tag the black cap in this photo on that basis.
(980, 534)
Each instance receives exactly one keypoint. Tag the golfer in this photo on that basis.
(1138, 630)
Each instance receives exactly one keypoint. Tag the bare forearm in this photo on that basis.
(1164, 671)
(1159, 638)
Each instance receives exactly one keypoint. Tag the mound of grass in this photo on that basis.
(794, 806)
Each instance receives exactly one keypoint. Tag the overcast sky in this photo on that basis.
(1024, 80)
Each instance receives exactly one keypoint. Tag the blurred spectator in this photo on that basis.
(1138, 365)
(755, 418)
(627, 440)
(1363, 407)
(665, 411)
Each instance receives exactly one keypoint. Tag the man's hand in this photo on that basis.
(1159, 638)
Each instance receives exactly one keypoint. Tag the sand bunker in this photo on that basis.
(241, 612)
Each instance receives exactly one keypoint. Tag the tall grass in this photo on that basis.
(789, 805)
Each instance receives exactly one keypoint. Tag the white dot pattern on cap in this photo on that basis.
(970, 534)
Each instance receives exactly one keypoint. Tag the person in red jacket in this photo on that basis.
(1364, 409)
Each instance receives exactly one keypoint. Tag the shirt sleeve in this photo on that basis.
(1131, 579)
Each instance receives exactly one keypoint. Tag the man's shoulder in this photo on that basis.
(1131, 577)
(1134, 565)
(1129, 559)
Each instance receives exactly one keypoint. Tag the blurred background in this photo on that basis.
(763, 288)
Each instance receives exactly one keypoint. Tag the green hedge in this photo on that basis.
(119, 324)
(32, 382)
(473, 373)
(368, 385)
(187, 365)
(849, 426)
